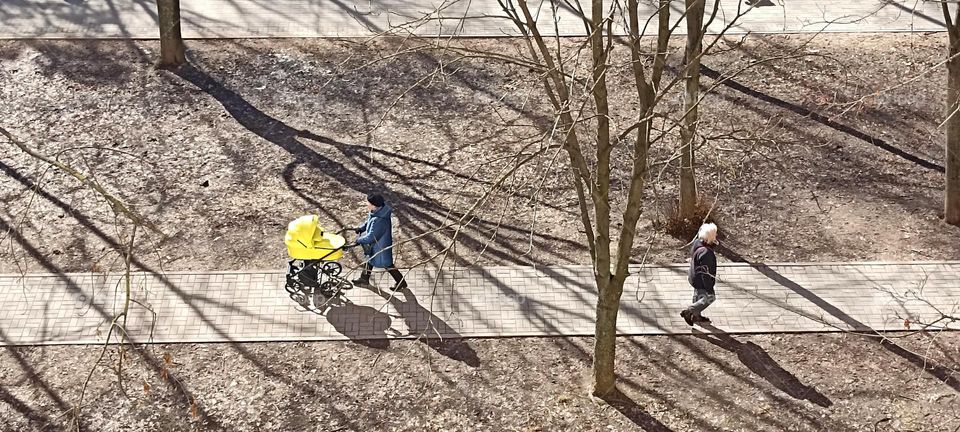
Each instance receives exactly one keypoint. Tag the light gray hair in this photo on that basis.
(708, 233)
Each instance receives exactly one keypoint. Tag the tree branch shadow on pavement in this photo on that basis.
(629, 409)
(429, 328)
(183, 395)
(941, 373)
(759, 361)
(114, 244)
(913, 11)
(363, 325)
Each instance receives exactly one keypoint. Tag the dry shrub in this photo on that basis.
(686, 228)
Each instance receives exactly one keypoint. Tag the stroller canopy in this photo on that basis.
(306, 240)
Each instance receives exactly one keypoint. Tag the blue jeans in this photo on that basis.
(701, 299)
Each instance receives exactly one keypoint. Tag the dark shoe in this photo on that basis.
(700, 319)
(361, 282)
(399, 287)
(687, 316)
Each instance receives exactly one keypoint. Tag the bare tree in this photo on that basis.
(688, 130)
(951, 206)
(589, 124)
(172, 50)
(126, 215)
(610, 251)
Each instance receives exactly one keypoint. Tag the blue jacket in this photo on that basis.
(377, 237)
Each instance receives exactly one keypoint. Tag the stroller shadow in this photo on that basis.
(430, 329)
(363, 325)
(755, 358)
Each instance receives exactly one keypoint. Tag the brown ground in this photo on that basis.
(224, 155)
(691, 383)
(262, 131)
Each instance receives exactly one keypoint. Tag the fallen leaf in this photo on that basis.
(194, 411)
(146, 387)
(167, 358)
(906, 324)
(163, 374)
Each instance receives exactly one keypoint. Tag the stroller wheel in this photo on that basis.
(329, 288)
(320, 299)
(293, 286)
(344, 284)
(301, 299)
(331, 268)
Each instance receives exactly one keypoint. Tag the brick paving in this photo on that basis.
(473, 302)
(346, 18)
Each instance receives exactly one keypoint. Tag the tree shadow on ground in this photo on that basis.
(629, 408)
(944, 374)
(31, 376)
(183, 394)
(820, 118)
(677, 371)
(759, 361)
(73, 62)
(423, 210)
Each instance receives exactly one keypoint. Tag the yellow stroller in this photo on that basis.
(313, 272)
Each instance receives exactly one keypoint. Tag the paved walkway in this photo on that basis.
(344, 18)
(475, 302)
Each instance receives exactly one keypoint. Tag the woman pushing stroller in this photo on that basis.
(313, 273)
(376, 238)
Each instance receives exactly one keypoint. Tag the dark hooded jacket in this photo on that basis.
(703, 266)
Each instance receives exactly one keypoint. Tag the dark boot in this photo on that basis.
(400, 283)
(687, 316)
(364, 279)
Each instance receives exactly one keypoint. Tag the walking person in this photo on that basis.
(376, 238)
(702, 275)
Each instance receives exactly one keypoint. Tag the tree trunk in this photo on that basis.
(172, 51)
(605, 338)
(951, 208)
(607, 304)
(688, 129)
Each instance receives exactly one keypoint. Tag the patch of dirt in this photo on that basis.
(825, 382)
(223, 155)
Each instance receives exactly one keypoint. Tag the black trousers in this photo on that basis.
(395, 272)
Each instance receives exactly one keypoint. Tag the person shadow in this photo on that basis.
(755, 358)
(428, 328)
(363, 325)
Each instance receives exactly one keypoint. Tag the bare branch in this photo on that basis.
(116, 204)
